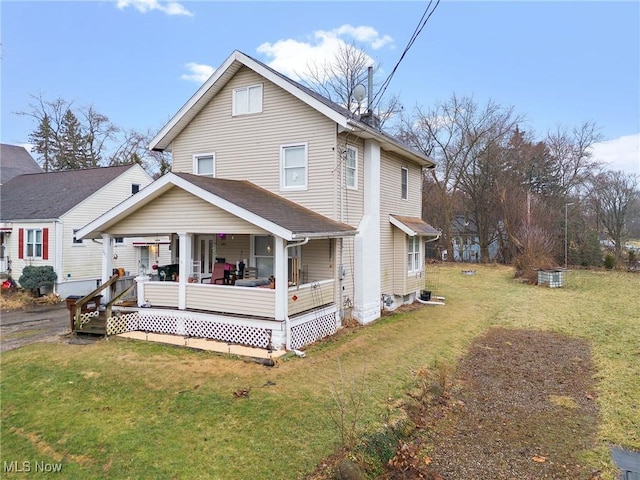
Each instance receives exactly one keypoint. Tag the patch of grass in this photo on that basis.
(127, 409)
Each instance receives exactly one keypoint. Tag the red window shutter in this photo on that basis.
(21, 243)
(45, 244)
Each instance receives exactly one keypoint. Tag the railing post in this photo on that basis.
(140, 281)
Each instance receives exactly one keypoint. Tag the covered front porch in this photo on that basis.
(241, 273)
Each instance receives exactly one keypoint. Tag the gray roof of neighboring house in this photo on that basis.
(50, 195)
(15, 160)
(270, 206)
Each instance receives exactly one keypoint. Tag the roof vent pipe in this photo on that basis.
(370, 89)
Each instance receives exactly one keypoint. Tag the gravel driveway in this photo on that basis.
(42, 323)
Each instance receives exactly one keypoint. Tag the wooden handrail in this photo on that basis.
(122, 294)
(87, 298)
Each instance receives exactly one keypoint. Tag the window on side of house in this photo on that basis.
(351, 167)
(293, 159)
(135, 188)
(263, 254)
(33, 243)
(76, 240)
(247, 100)
(414, 257)
(404, 183)
(204, 164)
(118, 240)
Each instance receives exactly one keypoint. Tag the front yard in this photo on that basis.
(125, 409)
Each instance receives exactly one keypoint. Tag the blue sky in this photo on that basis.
(139, 61)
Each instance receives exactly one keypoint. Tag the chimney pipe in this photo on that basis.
(370, 89)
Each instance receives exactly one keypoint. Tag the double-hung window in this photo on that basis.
(247, 100)
(351, 167)
(404, 183)
(293, 159)
(204, 164)
(414, 258)
(33, 244)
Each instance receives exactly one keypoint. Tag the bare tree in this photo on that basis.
(456, 134)
(336, 79)
(615, 195)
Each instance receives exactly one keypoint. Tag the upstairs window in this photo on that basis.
(404, 183)
(414, 258)
(293, 159)
(351, 167)
(247, 100)
(204, 164)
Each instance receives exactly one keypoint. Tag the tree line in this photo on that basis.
(71, 138)
(537, 199)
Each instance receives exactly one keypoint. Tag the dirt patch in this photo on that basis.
(522, 405)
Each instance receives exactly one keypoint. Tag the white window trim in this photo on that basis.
(197, 156)
(405, 195)
(34, 243)
(234, 111)
(413, 253)
(355, 173)
(283, 185)
(73, 239)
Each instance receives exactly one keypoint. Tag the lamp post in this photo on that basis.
(566, 232)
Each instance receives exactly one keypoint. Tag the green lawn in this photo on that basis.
(126, 409)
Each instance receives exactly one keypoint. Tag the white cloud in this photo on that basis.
(291, 57)
(169, 7)
(619, 154)
(197, 72)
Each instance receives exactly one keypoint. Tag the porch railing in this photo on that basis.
(310, 296)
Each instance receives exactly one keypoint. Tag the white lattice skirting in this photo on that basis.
(191, 327)
(313, 330)
(307, 331)
(86, 317)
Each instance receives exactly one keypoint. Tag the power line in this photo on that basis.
(421, 24)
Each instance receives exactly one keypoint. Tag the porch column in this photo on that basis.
(185, 268)
(281, 275)
(107, 264)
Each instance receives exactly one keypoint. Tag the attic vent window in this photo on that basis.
(204, 164)
(247, 100)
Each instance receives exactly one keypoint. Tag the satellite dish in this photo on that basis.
(359, 92)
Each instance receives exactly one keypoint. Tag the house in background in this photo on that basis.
(14, 160)
(40, 214)
(466, 243)
(275, 186)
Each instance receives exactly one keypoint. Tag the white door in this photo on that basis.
(205, 253)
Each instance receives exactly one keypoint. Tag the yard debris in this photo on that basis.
(242, 393)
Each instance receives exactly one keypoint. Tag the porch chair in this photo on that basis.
(250, 273)
(220, 275)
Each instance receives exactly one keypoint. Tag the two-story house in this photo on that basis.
(272, 181)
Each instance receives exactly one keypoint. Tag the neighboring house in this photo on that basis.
(41, 212)
(466, 243)
(14, 161)
(270, 174)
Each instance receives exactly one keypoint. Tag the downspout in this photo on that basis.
(287, 325)
(59, 252)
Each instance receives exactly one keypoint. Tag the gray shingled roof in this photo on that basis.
(50, 195)
(417, 225)
(14, 161)
(270, 206)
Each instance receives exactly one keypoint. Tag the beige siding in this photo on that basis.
(311, 296)
(392, 203)
(258, 302)
(178, 210)
(161, 294)
(350, 204)
(318, 257)
(82, 261)
(248, 146)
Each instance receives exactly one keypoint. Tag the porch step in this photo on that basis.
(95, 326)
